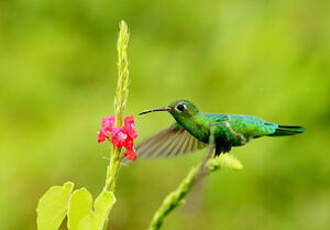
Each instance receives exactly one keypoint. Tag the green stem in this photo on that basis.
(119, 107)
(120, 104)
(112, 170)
(176, 198)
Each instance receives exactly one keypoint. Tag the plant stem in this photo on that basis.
(176, 198)
(119, 105)
(112, 170)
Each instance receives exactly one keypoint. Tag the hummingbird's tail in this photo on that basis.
(284, 130)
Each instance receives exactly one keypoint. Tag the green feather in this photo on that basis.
(285, 130)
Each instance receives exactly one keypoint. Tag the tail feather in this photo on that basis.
(284, 130)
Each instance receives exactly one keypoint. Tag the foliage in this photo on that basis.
(53, 206)
(81, 216)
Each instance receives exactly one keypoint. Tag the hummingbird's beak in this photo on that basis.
(155, 110)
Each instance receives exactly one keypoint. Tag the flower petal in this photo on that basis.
(102, 135)
(108, 123)
(131, 154)
(130, 127)
(119, 136)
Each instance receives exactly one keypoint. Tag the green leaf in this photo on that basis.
(80, 214)
(103, 205)
(52, 206)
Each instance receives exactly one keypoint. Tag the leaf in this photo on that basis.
(52, 206)
(80, 214)
(103, 205)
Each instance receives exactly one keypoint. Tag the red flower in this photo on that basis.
(129, 143)
(119, 136)
(130, 127)
(102, 135)
(131, 154)
(108, 123)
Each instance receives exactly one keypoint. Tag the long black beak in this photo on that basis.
(155, 110)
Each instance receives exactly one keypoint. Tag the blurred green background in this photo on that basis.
(270, 59)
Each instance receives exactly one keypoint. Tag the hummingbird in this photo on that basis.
(194, 130)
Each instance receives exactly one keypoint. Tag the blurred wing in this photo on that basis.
(172, 141)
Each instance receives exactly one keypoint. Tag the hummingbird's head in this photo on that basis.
(179, 108)
(182, 108)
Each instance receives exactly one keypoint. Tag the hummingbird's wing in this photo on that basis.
(172, 141)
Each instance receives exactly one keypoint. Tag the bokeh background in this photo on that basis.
(270, 59)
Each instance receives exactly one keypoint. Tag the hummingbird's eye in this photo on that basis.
(180, 107)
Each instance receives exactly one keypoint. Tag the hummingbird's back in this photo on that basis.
(239, 129)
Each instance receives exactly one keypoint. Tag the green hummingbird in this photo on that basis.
(195, 130)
